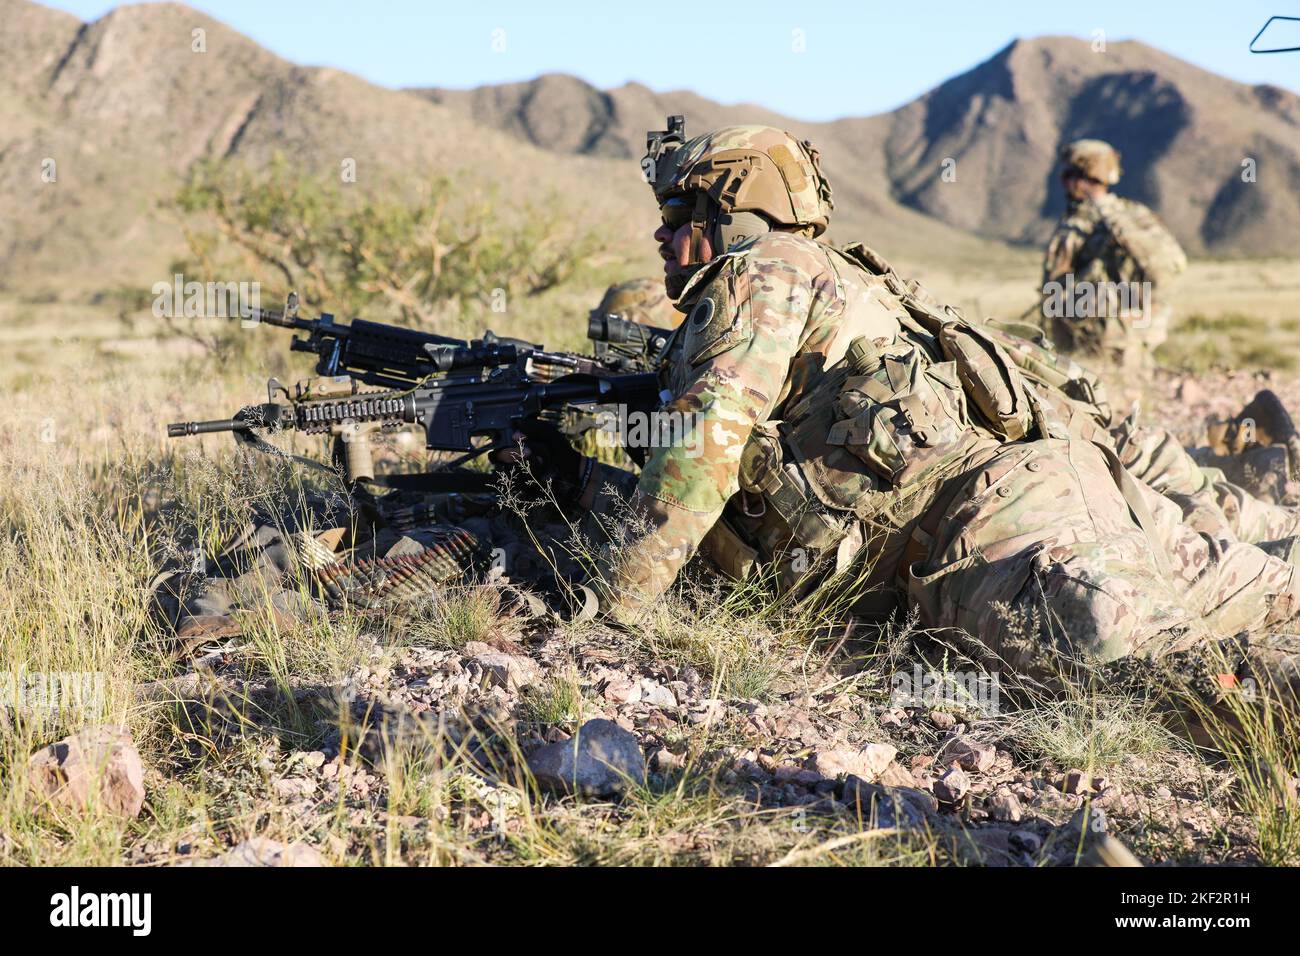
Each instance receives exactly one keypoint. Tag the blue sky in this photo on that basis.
(857, 58)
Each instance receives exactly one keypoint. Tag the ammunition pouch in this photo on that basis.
(724, 546)
(770, 479)
(1040, 363)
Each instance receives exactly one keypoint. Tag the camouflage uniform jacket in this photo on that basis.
(1098, 261)
(1082, 245)
(765, 323)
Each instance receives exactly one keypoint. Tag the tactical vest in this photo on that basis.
(859, 457)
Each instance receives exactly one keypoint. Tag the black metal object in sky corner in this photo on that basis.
(1281, 49)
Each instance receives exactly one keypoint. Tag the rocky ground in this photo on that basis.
(526, 739)
(462, 754)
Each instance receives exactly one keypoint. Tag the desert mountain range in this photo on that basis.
(124, 106)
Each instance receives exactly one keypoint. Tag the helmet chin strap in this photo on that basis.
(724, 229)
(699, 223)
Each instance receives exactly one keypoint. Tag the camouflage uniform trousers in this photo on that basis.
(1208, 500)
(1051, 551)
(294, 567)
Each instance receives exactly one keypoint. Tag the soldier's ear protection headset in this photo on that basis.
(724, 229)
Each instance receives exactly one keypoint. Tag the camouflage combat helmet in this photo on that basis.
(639, 300)
(742, 169)
(1094, 158)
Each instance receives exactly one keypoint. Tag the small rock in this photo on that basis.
(98, 762)
(506, 670)
(968, 754)
(921, 762)
(657, 695)
(867, 762)
(601, 759)
(293, 788)
(992, 843)
(1087, 821)
(1050, 799)
(942, 719)
(657, 721)
(1004, 806)
(259, 851)
(1076, 781)
(707, 711)
(896, 775)
(665, 761)
(1111, 796)
(1026, 840)
(623, 690)
(807, 778)
(313, 760)
(887, 806)
(785, 773)
(893, 717)
(952, 786)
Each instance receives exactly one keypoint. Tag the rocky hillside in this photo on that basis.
(100, 121)
(124, 106)
(1184, 133)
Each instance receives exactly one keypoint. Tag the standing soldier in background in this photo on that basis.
(1109, 265)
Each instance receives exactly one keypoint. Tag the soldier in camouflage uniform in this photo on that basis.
(1210, 502)
(1109, 265)
(640, 300)
(842, 421)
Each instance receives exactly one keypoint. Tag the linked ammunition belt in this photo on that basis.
(374, 581)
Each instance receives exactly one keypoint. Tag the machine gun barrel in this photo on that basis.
(453, 411)
(181, 429)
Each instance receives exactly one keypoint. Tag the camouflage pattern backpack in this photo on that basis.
(1136, 230)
